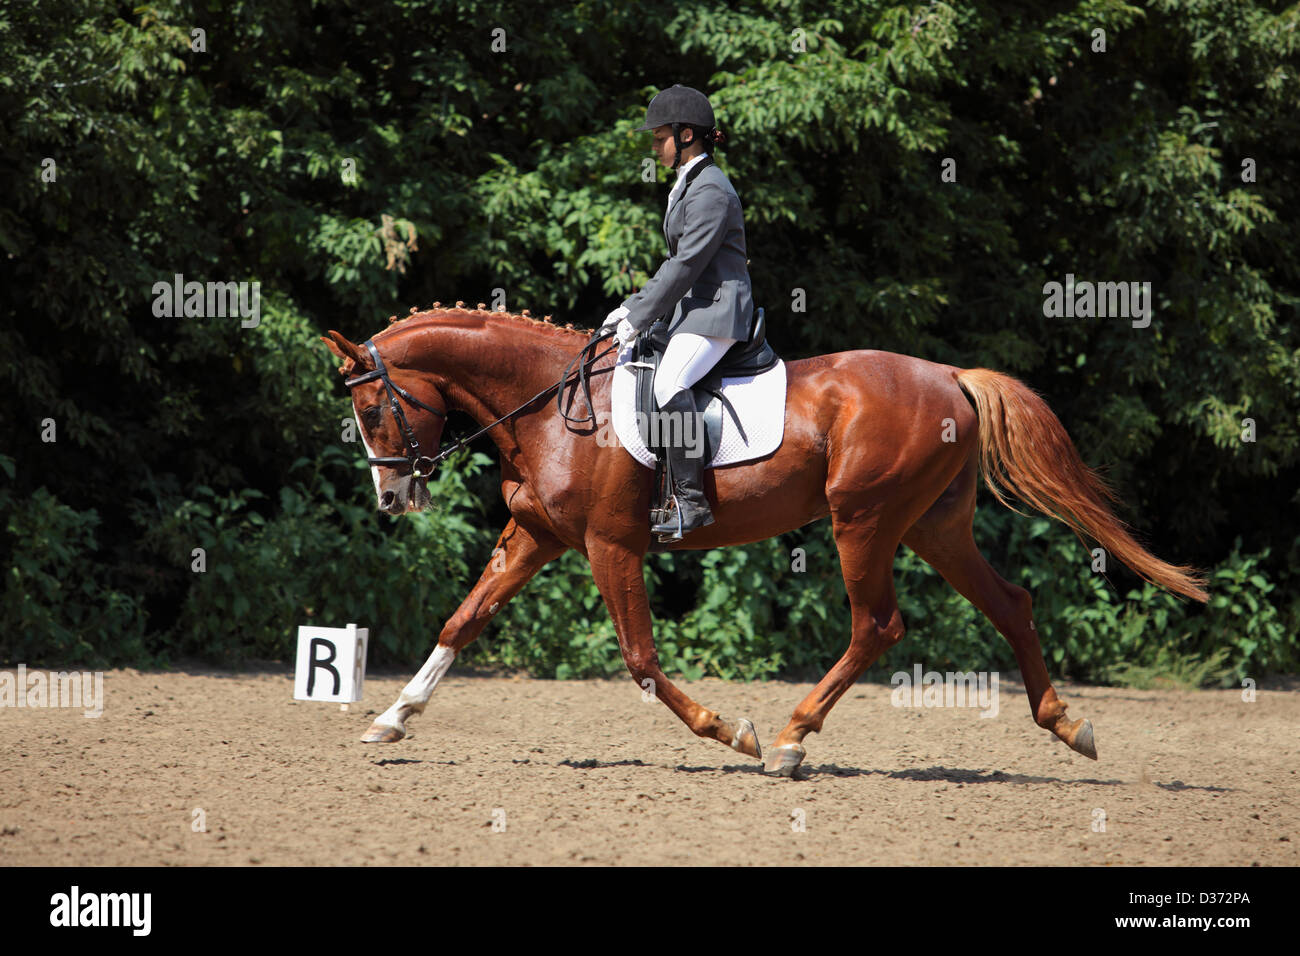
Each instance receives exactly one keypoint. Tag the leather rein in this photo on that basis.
(422, 466)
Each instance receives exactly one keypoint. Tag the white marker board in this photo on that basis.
(331, 663)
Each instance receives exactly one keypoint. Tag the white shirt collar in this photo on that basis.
(681, 178)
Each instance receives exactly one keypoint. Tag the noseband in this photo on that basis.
(422, 465)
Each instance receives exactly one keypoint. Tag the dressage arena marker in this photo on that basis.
(331, 664)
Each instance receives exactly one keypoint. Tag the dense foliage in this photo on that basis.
(359, 159)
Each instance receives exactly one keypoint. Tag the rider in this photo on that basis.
(703, 288)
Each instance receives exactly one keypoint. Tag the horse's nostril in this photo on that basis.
(386, 500)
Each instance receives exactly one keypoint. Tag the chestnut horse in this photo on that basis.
(889, 446)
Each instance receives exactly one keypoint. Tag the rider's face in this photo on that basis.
(666, 150)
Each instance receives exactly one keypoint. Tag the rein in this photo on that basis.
(583, 381)
(422, 465)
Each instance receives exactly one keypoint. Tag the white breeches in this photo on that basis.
(688, 358)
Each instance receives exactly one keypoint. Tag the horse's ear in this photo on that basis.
(353, 357)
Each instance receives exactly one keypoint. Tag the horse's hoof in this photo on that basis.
(383, 734)
(783, 760)
(746, 739)
(1084, 742)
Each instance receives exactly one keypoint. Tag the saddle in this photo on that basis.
(747, 357)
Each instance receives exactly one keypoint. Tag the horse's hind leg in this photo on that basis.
(942, 538)
(867, 562)
(519, 555)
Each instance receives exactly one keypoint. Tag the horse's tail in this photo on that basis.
(1025, 449)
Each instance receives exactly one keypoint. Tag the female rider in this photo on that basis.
(703, 287)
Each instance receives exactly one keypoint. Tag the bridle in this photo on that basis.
(422, 465)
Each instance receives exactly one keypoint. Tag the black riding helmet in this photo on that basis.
(680, 106)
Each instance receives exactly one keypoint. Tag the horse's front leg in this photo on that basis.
(520, 554)
(618, 574)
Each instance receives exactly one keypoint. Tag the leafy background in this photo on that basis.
(518, 170)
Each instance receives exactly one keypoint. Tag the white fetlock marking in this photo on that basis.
(417, 692)
(391, 720)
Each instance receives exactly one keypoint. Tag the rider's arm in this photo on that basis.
(705, 227)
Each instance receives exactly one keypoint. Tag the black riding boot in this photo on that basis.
(691, 510)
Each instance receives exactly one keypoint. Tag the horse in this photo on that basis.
(889, 446)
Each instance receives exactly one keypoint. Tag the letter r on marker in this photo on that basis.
(324, 662)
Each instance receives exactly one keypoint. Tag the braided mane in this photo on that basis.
(482, 312)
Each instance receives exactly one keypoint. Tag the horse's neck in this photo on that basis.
(490, 370)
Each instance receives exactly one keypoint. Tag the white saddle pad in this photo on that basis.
(759, 400)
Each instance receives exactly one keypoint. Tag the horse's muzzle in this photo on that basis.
(404, 494)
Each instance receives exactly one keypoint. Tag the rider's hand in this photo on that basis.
(615, 317)
(626, 333)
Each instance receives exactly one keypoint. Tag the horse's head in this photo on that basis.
(400, 415)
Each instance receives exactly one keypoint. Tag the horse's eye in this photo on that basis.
(370, 417)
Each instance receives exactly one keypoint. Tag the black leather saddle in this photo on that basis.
(748, 357)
